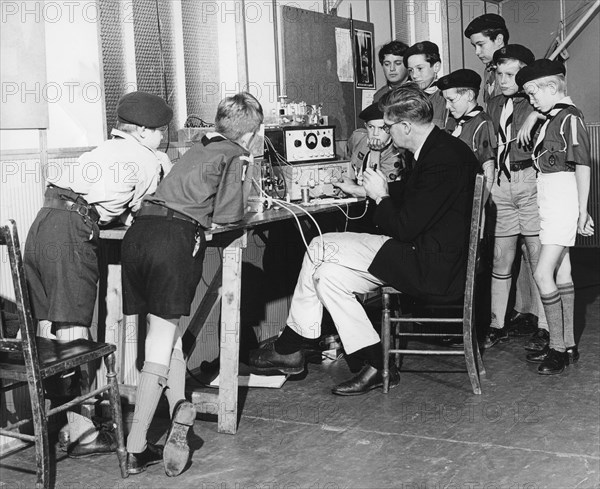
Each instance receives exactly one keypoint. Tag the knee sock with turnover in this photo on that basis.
(567, 297)
(152, 382)
(500, 292)
(554, 316)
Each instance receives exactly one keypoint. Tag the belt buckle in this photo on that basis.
(81, 209)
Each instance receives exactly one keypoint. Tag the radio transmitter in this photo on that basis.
(300, 144)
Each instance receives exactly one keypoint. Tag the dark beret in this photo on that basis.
(423, 47)
(144, 109)
(483, 22)
(539, 69)
(462, 78)
(371, 113)
(514, 51)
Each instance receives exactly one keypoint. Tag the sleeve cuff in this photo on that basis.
(379, 199)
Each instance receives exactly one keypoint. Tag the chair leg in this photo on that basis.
(40, 430)
(480, 365)
(115, 404)
(469, 355)
(385, 340)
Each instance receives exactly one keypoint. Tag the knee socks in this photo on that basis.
(152, 382)
(567, 297)
(554, 315)
(500, 292)
(175, 390)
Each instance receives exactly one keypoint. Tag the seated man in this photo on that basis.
(422, 249)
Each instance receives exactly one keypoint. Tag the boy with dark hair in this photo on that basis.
(562, 157)
(162, 257)
(514, 191)
(61, 251)
(487, 34)
(469, 121)
(423, 63)
(391, 57)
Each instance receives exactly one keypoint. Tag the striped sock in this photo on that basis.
(554, 316)
(175, 390)
(567, 296)
(500, 292)
(151, 385)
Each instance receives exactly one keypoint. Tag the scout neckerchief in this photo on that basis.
(504, 138)
(490, 81)
(554, 111)
(466, 118)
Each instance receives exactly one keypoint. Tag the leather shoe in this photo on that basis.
(538, 356)
(524, 325)
(553, 364)
(177, 451)
(571, 355)
(538, 341)
(104, 443)
(494, 336)
(368, 378)
(138, 462)
(267, 360)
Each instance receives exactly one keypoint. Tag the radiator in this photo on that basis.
(594, 199)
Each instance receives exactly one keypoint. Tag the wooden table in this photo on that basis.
(226, 288)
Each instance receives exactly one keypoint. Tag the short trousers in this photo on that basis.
(61, 266)
(559, 208)
(514, 206)
(159, 273)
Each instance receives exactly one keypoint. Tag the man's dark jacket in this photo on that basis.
(428, 216)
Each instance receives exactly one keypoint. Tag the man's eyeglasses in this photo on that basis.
(388, 127)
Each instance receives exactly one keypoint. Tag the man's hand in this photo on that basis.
(585, 224)
(350, 187)
(375, 184)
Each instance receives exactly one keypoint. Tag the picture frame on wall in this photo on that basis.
(364, 55)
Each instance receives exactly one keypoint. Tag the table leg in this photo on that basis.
(230, 335)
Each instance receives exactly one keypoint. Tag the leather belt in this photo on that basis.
(521, 165)
(84, 210)
(152, 209)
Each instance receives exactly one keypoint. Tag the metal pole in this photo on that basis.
(571, 35)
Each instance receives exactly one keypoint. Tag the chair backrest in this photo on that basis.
(474, 239)
(9, 237)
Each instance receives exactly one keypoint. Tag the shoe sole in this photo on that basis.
(286, 371)
(555, 372)
(177, 451)
(499, 340)
(142, 469)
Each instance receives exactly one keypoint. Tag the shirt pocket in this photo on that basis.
(555, 155)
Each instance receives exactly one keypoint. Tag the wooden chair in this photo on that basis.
(470, 349)
(30, 359)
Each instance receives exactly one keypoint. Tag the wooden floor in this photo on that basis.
(525, 432)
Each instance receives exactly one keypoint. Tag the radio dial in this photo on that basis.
(297, 143)
(326, 142)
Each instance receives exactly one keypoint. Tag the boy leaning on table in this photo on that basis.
(162, 257)
(61, 251)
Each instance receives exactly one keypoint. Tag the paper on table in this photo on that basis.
(270, 381)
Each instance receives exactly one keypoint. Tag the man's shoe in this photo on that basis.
(571, 355)
(104, 443)
(138, 462)
(516, 317)
(368, 378)
(495, 336)
(538, 356)
(177, 451)
(267, 360)
(553, 364)
(539, 340)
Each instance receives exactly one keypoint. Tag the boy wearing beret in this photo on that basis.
(391, 58)
(561, 155)
(423, 63)
(487, 34)
(61, 252)
(203, 188)
(469, 121)
(514, 201)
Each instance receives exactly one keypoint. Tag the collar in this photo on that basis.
(560, 105)
(478, 109)
(117, 134)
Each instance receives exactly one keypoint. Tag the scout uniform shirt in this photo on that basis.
(563, 141)
(359, 153)
(206, 183)
(478, 132)
(114, 177)
(440, 113)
